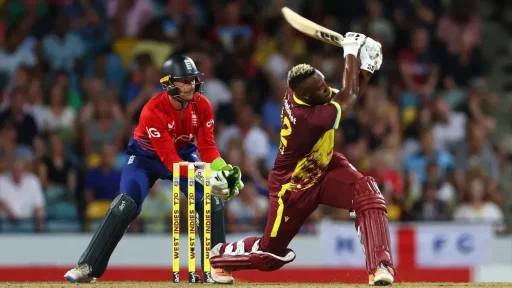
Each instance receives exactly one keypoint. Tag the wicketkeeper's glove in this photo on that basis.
(226, 180)
(371, 55)
(218, 183)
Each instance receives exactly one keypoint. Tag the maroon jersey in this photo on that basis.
(307, 142)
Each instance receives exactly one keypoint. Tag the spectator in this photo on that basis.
(226, 111)
(21, 80)
(87, 19)
(279, 63)
(35, 104)
(478, 209)
(419, 70)
(482, 107)
(268, 43)
(356, 148)
(462, 21)
(21, 195)
(271, 112)
(7, 144)
(465, 67)
(95, 91)
(216, 90)
(103, 128)
(237, 157)
(384, 171)
(248, 211)
(72, 89)
(256, 142)
(18, 51)
(450, 127)
(230, 26)
(380, 117)
(429, 207)
(418, 162)
(156, 209)
(477, 156)
(140, 90)
(102, 183)
(129, 16)
(63, 50)
(166, 27)
(60, 115)
(56, 171)
(375, 25)
(26, 127)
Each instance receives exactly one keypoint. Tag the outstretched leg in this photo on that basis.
(134, 186)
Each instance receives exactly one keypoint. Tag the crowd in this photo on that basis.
(74, 76)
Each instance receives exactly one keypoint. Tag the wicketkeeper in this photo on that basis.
(169, 123)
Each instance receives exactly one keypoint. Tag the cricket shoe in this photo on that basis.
(80, 274)
(382, 277)
(220, 275)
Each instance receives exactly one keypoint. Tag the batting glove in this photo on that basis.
(371, 55)
(352, 43)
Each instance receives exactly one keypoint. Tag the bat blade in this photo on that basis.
(310, 28)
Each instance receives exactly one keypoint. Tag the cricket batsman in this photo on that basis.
(169, 124)
(307, 172)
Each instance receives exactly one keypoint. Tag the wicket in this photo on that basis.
(191, 214)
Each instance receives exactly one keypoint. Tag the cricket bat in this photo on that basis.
(310, 28)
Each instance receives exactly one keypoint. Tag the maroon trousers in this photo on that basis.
(288, 213)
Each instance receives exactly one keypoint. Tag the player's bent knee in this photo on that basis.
(235, 257)
(367, 196)
(124, 201)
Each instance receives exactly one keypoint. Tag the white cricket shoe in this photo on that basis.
(80, 274)
(220, 275)
(382, 277)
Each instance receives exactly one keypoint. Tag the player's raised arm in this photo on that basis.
(347, 95)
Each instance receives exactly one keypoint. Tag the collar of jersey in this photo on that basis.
(298, 101)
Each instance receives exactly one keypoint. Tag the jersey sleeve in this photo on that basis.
(160, 139)
(325, 117)
(205, 138)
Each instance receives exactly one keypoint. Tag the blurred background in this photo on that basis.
(433, 127)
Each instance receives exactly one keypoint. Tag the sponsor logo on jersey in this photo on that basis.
(152, 132)
(186, 138)
(194, 119)
(288, 109)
